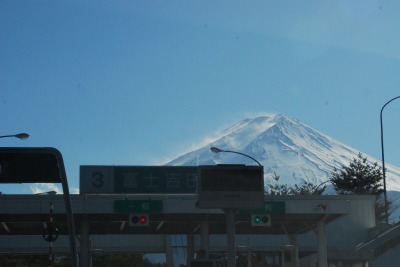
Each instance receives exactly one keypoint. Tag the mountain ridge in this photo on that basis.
(284, 146)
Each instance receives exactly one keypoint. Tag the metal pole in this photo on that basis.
(68, 208)
(51, 256)
(230, 217)
(383, 163)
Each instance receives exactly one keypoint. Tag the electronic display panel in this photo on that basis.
(29, 165)
(230, 186)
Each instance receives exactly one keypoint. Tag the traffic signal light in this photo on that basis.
(138, 219)
(261, 219)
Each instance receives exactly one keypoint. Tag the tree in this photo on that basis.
(361, 178)
(283, 189)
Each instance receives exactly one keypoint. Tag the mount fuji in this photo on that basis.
(285, 147)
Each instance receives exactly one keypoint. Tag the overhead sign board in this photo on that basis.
(29, 165)
(138, 179)
(230, 186)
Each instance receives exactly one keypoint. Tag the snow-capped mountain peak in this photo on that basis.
(284, 146)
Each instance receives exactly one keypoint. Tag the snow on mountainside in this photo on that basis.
(284, 146)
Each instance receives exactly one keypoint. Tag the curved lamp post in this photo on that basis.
(21, 136)
(383, 162)
(218, 150)
(230, 216)
(316, 188)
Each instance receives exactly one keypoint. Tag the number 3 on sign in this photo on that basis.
(98, 179)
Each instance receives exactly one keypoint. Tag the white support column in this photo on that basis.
(168, 251)
(231, 233)
(321, 241)
(205, 238)
(85, 259)
(190, 247)
(294, 253)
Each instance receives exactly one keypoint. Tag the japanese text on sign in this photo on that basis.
(155, 179)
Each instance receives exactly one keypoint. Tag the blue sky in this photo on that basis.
(141, 82)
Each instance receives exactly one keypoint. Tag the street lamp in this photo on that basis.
(383, 162)
(21, 136)
(230, 216)
(218, 150)
(316, 188)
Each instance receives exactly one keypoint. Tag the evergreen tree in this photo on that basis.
(283, 189)
(361, 178)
